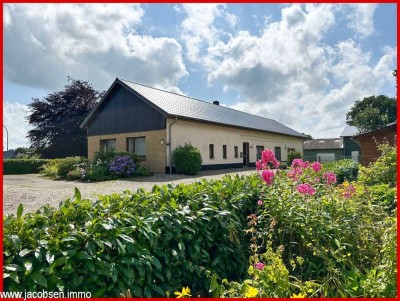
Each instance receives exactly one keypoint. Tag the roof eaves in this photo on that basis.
(235, 126)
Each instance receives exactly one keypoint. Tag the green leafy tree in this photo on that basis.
(372, 113)
(57, 117)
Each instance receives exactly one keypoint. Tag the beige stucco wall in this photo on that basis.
(202, 134)
(155, 151)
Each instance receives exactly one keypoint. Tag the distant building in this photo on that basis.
(152, 123)
(9, 154)
(333, 149)
(368, 142)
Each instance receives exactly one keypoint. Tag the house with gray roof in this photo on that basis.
(152, 123)
(332, 149)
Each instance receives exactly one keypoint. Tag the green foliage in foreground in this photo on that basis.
(148, 242)
(384, 170)
(336, 241)
(22, 166)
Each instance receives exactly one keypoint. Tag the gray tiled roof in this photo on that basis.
(187, 107)
(349, 131)
(331, 143)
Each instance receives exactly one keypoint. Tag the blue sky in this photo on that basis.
(302, 65)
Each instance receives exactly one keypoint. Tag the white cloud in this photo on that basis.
(45, 43)
(361, 18)
(14, 115)
(199, 30)
(288, 73)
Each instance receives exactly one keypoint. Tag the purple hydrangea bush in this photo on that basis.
(123, 166)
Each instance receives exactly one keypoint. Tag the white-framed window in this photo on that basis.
(108, 144)
(136, 145)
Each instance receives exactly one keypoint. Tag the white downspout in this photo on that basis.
(170, 145)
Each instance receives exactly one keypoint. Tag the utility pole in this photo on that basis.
(7, 135)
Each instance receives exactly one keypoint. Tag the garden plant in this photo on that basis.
(276, 233)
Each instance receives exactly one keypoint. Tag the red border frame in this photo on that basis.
(210, 1)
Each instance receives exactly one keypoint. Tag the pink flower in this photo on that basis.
(297, 163)
(295, 172)
(268, 156)
(268, 176)
(306, 164)
(329, 177)
(317, 180)
(258, 165)
(311, 190)
(259, 266)
(306, 189)
(276, 163)
(350, 191)
(259, 203)
(316, 166)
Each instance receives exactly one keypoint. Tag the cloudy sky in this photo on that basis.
(302, 65)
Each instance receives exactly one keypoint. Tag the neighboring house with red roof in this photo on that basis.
(152, 123)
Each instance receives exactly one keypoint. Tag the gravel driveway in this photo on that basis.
(34, 190)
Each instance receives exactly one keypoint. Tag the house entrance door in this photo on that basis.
(245, 154)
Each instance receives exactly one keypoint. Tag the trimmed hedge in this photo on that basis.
(148, 242)
(22, 166)
(346, 169)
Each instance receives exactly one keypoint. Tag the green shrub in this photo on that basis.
(142, 171)
(68, 164)
(75, 174)
(328, 240)
(346, 169)
(22, 166)
(50, 169)
(384, 170)
(382, 195)
(293, 155)
(108, 155)
(99, 172)
(149, 242)
(187, 159)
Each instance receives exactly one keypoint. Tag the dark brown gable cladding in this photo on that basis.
(121, 111)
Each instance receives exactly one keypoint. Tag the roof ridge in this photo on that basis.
(147, 86)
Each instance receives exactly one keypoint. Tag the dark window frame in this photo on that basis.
(259, 153)
(236, 151)
(211, 151)
(278, 157)
(143, 157)
(106, 147)
(224, 152)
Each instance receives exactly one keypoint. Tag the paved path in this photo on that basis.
(34, 190)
